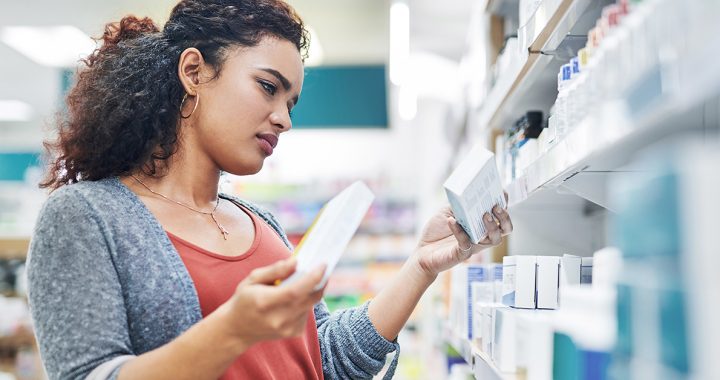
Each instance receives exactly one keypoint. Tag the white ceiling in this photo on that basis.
(350, 31)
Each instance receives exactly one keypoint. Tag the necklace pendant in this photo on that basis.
(224, 232)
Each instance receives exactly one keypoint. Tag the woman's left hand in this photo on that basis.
(444, 243)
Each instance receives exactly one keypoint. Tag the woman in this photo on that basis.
(139, 268)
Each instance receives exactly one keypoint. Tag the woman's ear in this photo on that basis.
(191, 61)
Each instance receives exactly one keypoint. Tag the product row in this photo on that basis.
(633, 56)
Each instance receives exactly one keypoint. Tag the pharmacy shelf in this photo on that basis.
(602, 145)
(14, 247)
(481, 363)
(530, 82)
(505, 8)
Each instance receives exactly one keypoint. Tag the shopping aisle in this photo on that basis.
(604, 120)
(605, 131)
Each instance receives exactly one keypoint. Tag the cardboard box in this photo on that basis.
(504, 341)
(508, 280)
(547, 282)
(486, 327)
(569, 273)
(497, 270)
(570, 270)
(473, 189)
(525, 271)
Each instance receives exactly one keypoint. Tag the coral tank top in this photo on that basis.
(216, 277)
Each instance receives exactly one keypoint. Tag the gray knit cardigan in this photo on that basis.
(106, 284)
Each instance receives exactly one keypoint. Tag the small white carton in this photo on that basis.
(504, 341)
(473, 189)
(525, 270)
(547, 282)
(570, 270)
(508, 280)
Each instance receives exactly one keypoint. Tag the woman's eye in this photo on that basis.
(268, 87)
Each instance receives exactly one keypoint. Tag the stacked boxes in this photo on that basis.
(535, 282)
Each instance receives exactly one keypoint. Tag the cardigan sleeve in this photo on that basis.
(350, 346)
(75, 296)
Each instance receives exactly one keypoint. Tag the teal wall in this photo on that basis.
(342, 97)
(345, 97)
(13, 165)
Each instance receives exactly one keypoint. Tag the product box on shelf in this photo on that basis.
(504, 340)
(497, 270)
(463, 278)
(508, 282)
(547, 281)
(486, 326)
(534, 338)
(519, 281)
(525, 271)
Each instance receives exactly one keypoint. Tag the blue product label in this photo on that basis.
(594, 365)
(566, 71)
(498, 272)
(575, 63)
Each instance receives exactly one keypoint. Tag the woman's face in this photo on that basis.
(243, 111)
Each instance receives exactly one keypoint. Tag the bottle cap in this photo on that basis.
(583, 57)
(575, 67)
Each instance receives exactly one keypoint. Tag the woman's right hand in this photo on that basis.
(260, 310)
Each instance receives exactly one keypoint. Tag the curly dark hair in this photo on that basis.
(123, 111)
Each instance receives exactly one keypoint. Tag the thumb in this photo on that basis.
(464, 245)
(269, 274)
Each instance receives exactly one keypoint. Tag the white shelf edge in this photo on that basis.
(583, 145)
(470, 352)
(552, 19)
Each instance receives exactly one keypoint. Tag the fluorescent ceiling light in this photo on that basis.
(399, 41)
(15, 110)
(56, 46)
(315, 52)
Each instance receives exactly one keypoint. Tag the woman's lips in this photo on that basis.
(267, 143)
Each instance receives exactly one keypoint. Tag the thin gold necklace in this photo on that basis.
(222, 229)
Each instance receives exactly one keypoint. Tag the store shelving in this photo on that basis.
(14, 247)
(501, 7)
(604, 142)
(481, 363)
(528, 82)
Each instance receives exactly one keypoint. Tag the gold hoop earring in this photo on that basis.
(182, 103)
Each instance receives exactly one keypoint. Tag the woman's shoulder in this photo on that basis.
(96, 197)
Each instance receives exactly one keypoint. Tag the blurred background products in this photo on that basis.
(604, 120)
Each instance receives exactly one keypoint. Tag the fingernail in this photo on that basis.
(488, 217)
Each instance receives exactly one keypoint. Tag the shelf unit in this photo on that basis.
(14, 247)
(481, 363)
(529, 82)
(599, 148)
(657, 103)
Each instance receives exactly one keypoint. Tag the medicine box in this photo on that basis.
(508, 281)
(497, 282)
(473, 189)
(504, 344)
(570, 270)
(525, 282)
(547, 282)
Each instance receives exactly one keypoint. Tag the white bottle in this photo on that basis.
(561, 113)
